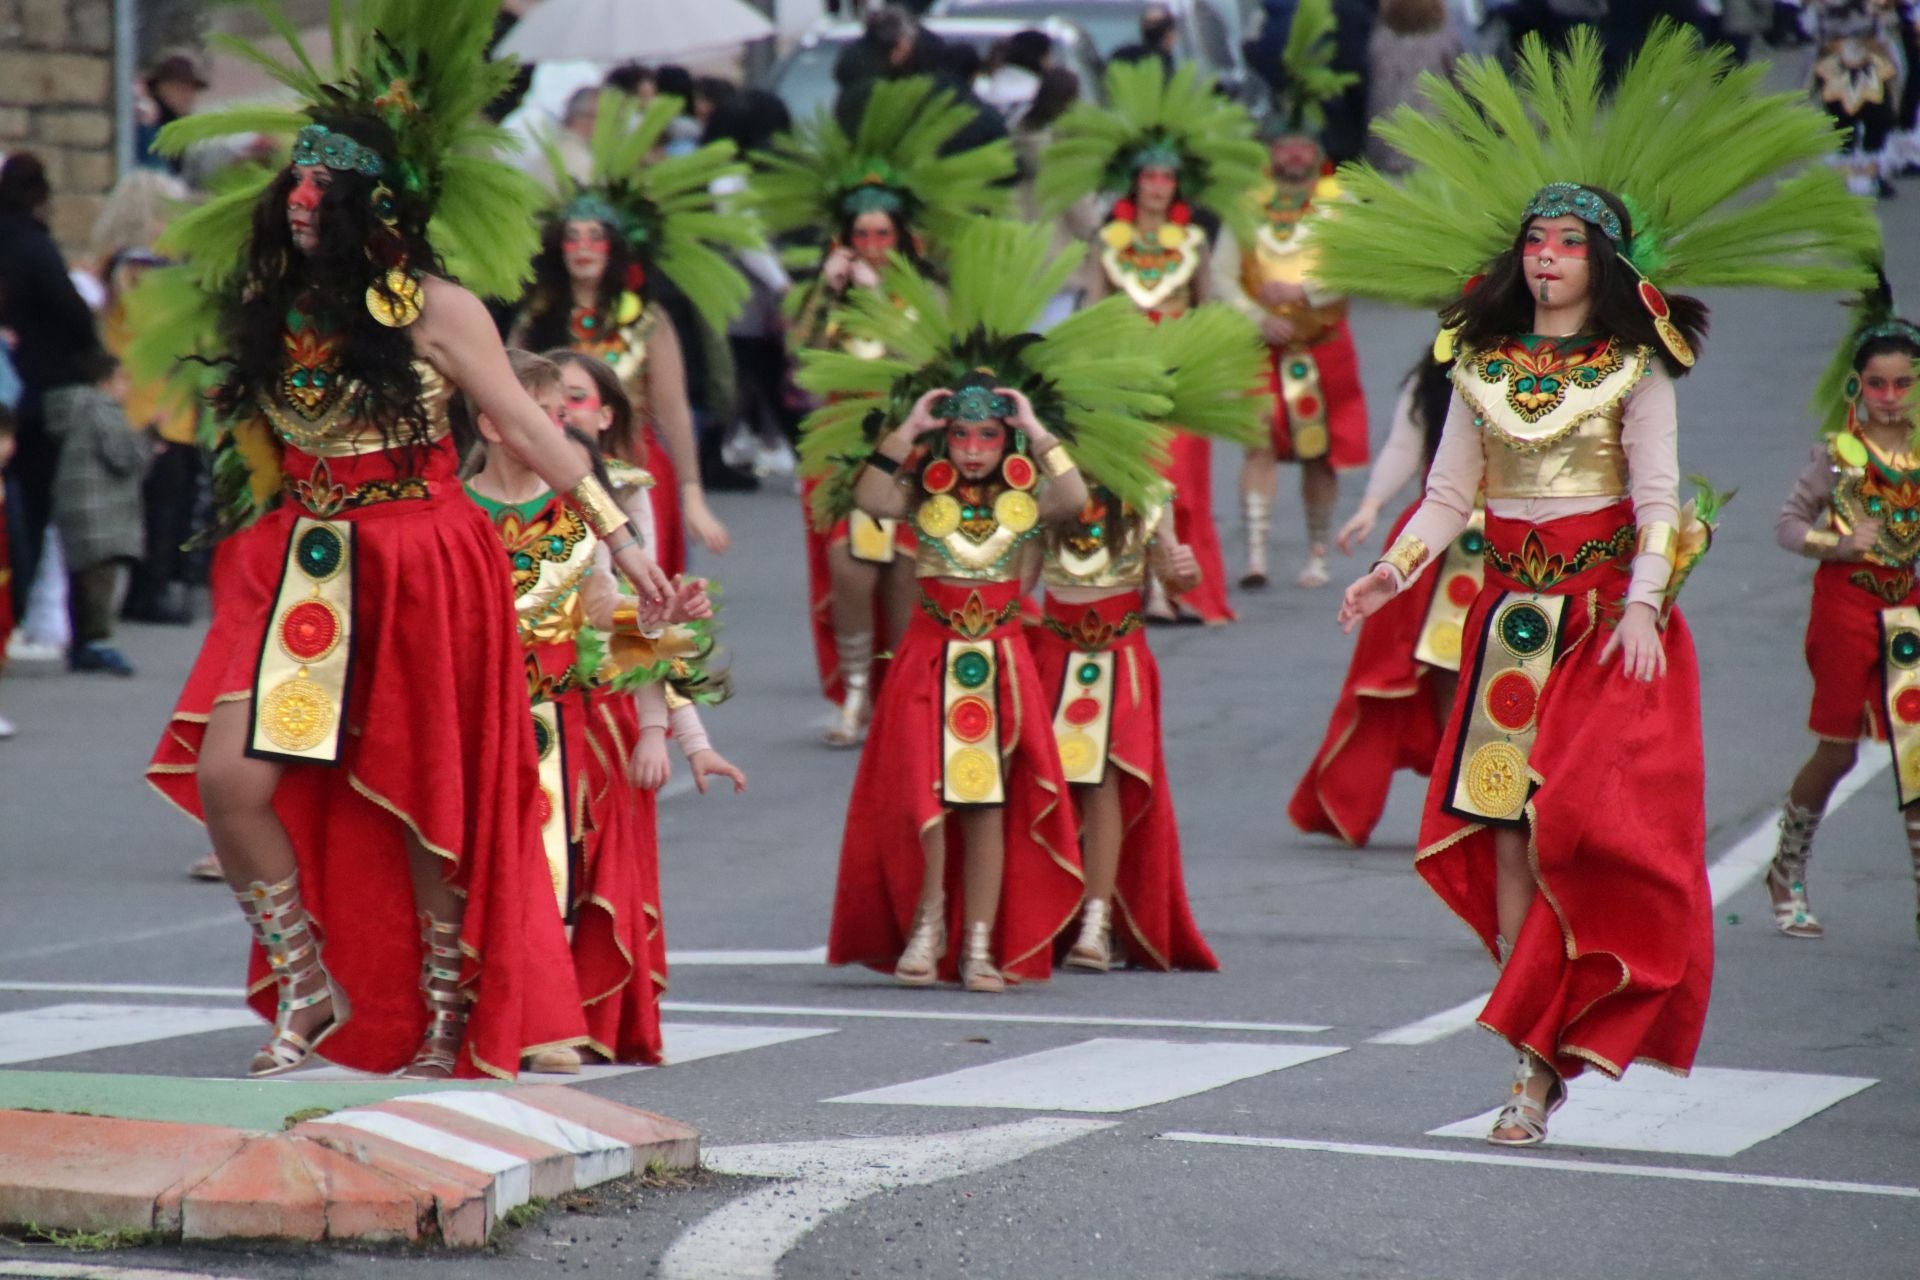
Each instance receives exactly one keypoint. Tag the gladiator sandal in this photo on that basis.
(1787, 873)
(1094, 949)
(1913, 851)
(926, 948)
(1256, 511)
(563, 1060)
(1521, 1111)
(849, 728)
(285, 932)
(1313, 573)
(977, 970)
(447, 1004)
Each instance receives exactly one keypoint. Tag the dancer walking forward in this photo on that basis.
(1173, 156)
(1565, 819)
(1856, 509)
(958, 825)
(355, 731)
(889, 188)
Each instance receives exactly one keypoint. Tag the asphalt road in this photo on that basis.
(1793, 1156)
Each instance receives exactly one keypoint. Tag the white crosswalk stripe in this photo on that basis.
(30, 1035)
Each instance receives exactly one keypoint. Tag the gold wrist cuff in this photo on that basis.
(1057, 462)
(596, 506)
(1820, 543)
(1659, 539)
(1406, 555)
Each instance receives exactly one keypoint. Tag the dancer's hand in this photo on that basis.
(1856, 544)
(1637, 640)
(1281, 293)
(1024, 419)
(647, 578)
(701, 522)
(1364, 598)
(688, 602)
(920, 420)
(708, 763)
(864, 275)
(1358, 528)
(1183, 570)
(1276, 331)
(837, 268)
(649, 767)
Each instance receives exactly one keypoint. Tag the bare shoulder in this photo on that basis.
(449, 316)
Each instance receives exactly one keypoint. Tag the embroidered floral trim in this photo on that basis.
(1534, 568)
(1536, 376)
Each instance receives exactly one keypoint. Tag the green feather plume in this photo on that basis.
(1217, 362)
(1307, 61)
(1873, 311)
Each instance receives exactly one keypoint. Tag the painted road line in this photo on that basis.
(1731, 872)
(746, 1239)
(1716, 1111)
(1103, 1075)
(92, 1271)
(31, 1035)
(596, 1157)
(123, 989)
(1549, 1162)
(123, 940)
(682, 1042)
(809, 956)
(1034, 1019)
(512, 1184)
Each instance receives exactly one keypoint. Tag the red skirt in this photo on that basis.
(1614, 963)
(669, 529)
(1190, 467)
(897, 794)
(1844, 647)
(1151, 893)
(826, 653)
(1384, 720)
(1346, 403)
(438, 742)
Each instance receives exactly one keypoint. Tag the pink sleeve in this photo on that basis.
(689, 732)
(1453, 482)
(1806, 505)
(1400, 457)
(1650, 437)
(651, 699)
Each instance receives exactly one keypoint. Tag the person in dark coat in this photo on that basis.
(96, 505)
(1158, 28)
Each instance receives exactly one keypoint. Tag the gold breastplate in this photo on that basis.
(1156, 276)
(1080, 554)
(1282, 253)
(1550, 415)
(625, 351)
(321, 411)
(1872, 484)
(551, 554)
(974, 535)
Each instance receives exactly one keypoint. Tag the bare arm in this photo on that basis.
(876, 491)
(673, 416)
(600, 591)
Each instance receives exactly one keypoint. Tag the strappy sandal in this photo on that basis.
(926, 948)
(447, 1004)
(1787, 874)
(285, 932)
(977, 970)
(1093, 950)
(1522, 1112)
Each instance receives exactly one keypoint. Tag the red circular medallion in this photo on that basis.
(543, 805)
(1461, 589)
(1907, 706)
(1307, 406)
(1511, 700)
(1018, 470)
(970, 719)
(939, 476)
(1652, 299)
(1083, 711)
(309, 631)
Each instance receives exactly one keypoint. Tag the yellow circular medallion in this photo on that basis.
(1443, 638)
(1849, 450)
(939, 515)
(1078, 754)
(971, 775)
(1016, 510)
(1117, 235)
(1310, 442)
(400, 309)
(1171, 236)
(1910, 769)
(297, 714)
(631, 308)
(1496, 778)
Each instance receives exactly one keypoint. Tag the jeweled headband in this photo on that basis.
(590, 208)
(317, 144)
(872, 199)
(1901, 329)
(1157, 155)
(1563, 199)
(973, 402)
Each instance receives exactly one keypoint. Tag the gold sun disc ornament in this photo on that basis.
(1077, 753)
(1496, 778)
(971, 775)
(938, 516)
(1016, 510)
(297, 714)
(399, 305)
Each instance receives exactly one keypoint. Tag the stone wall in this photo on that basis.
(56, 99)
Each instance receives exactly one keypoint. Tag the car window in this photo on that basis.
(1109, 25)
(806, 82)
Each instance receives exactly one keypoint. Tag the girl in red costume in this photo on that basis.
(1399, 688)
(355, 731)
(1565, 821)
(1854, 510)
(959, 822)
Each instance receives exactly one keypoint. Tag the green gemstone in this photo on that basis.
(556, 545)
(1088, 674)
(522, 561)
(542, 736)
(1299, 369)
(1904, 648)
(300, 378)
(971, 669)
(320, 552)
(589, 323)
(1524, 629)
(1473, 542)
(1094, 532)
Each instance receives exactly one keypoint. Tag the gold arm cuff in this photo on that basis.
(1057, 462)
(626, 617)
(1406, 555)
(1659, 539)
(596, 506)
(1820, 543)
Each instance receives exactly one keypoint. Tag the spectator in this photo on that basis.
(1059, 90)
(96, 505)
(894, 47)
(683, 135)
(885, 49)
(173, 90)
(1158, 30)
(55, 347)
(1412, 37)
(709, 94)
(634, 80)
(1011, 76)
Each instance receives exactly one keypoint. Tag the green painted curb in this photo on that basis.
(258, 1105)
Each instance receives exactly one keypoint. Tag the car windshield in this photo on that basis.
(806, 82)
(1109, 25)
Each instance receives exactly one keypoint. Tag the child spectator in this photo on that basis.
(96, 505)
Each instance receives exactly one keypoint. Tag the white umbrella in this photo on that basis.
(633, 30)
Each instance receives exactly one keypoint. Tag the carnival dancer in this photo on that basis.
(602, 753)
(1096, 667)
(959, 825)
(1174, 156)
(355, 730)
(1400, 683)
(595, 404)
(1856, 509)
(1857, 80)
(1565, 818)
(1319, 412)
(642, 223)
(888, 188)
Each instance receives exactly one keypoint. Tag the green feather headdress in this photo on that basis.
(1684, 134)
(1217, 365)
(816, 175)
(1839, 385)
(1095, 148)
(1307, 64)
(663, 209)
(1094, 379)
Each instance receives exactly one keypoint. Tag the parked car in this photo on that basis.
(1207, 34)
(804, 78)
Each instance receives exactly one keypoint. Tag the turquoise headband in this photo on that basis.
(317, 144)
(1570, 199)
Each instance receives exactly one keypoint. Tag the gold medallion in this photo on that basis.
(1676, 342)
(971, 775)
(1496, 778)
(1443, 638)
(1310, 442)
(1910, 770)
(938, 516)
(1078, 754)
(400, 310)
(1016, 510)
(297, 714)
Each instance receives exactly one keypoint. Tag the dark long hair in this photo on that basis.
(329, 286)
(620, 437)
(1432, 388)
(550, 300)
(1499, 306)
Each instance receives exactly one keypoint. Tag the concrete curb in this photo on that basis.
(444, 1166)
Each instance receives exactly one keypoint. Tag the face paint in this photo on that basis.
(584, 410)
(585, 245)
(1156, 188)
(1886, 383)
(303, 204)
(975, 448)
(874, 238)
(1553, 260)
